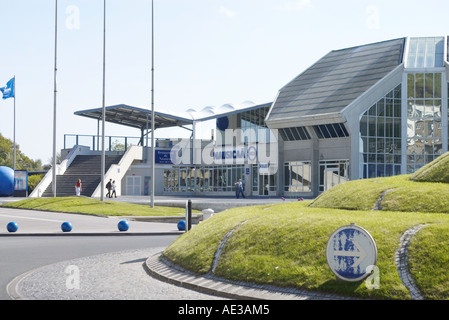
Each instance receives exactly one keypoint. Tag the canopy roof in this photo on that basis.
(134, 117)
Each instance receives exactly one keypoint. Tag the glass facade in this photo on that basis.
(425, 52)
(254, 128)
(424, 114)
(203, 179)
(298, 176)
(380, 131)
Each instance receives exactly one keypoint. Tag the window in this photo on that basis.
(298, 176)
(425, 53)
(333, 173)
(294, 134)
(424, 135)
(254, 128)
(333, 130)
(203, 179)
(380, 132)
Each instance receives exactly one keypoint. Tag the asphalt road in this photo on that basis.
(19, 255)
(40, 246)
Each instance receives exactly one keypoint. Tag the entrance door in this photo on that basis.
(134, 186)
(264, 185)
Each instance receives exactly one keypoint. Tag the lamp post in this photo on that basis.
(54, 103)
(103, 151)
(152, 107)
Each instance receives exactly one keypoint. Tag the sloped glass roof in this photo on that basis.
(425, 52)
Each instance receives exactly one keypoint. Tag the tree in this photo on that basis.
(22, 161)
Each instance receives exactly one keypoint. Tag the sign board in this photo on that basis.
(350, 251)
(162, 157)
(21, 180)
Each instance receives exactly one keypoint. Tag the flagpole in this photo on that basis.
(103, 152)
(152, 106)
(14, 130)
(54, 102)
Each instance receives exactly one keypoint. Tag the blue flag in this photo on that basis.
(8, 91)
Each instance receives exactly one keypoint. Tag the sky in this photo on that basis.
(207, 53)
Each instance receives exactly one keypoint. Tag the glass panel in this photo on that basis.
(381, 145)
(331, 130)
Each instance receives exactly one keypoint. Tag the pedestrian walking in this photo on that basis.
(78, 188)
(239, 189)
(109, 187)
(113, 186)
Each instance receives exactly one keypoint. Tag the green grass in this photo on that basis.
(92, 206)
(429, 261)
(284, 245)
(402, 194)
(435, 171)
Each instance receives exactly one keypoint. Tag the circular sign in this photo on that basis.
(222, 123)
(350, 251)
(252, 153)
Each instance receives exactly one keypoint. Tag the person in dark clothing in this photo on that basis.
(109, 187)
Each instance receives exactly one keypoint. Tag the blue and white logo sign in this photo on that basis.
(350, 251)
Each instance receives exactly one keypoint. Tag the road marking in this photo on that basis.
(39, 219)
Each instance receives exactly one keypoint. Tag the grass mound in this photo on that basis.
(435, 171)
(92, 206)
(397, 193)
(284, 245)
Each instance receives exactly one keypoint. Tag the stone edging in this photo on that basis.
(402, 262)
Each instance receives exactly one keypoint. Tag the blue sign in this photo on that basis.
(162, 157)
(350, 251)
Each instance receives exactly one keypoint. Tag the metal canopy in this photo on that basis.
(135, 117)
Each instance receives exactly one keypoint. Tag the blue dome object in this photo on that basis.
(66, 227)
(6, 182)
(12, 227)
(123, 225)
(222, 123)
(182, 225)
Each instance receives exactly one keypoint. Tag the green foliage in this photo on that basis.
(22, 161)
(33, 182)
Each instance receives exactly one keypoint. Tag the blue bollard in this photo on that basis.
(66, 227)
(182, 225)
(123, 225)
(12, 227)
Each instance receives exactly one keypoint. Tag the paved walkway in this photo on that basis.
(137, 275)
(113, 276)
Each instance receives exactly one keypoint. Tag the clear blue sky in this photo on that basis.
(208, 52)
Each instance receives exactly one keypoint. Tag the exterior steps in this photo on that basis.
(86, 168)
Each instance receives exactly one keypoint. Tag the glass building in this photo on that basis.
(375, 110)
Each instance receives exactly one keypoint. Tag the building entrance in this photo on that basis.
(264, 183)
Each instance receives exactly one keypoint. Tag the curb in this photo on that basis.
(166, 271)
(87, 234)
